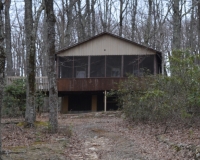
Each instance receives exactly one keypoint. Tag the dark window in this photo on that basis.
(97, 66)
(80, 67)
(130, 65)
(66, 67)
(113, 66)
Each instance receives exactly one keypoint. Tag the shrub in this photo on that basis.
(162, 97)
(15, 98)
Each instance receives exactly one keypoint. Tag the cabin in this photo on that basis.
(88, 70)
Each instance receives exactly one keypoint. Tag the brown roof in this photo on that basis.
(105, 33)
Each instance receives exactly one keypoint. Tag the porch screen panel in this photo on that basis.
(113, 66)
(80, 66)
(130, 65)
(66, 67)
(97, 66)
(146, 64)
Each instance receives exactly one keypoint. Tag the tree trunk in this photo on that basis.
(53, 93)
(88, 19)
(199, 27)
(30, 115)
(149, 24)
(80, 25)
(176, 41)
(2, 69)
(69, 12)
(93, 16)
(133, 19)
(9, 63)
(120, 17)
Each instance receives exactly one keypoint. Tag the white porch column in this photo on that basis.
(105, 101)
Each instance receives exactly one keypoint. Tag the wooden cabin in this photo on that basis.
(88, 70)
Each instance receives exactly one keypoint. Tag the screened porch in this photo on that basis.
(107, 66)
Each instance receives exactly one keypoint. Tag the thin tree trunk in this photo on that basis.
(53, 93)
(93, 17)
(69, 12)
(134, 12)
(30, 115)
(31, 30)
(80, 25)
(191, 33)
(88, 19)
(120, 18)
(199, 27)
(176, 41)
(9, 63)
(2, 69)
(149, 24)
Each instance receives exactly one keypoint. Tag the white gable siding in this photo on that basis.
(106, 45)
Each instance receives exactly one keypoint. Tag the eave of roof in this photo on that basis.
(101, 34)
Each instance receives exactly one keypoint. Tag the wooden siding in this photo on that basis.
(88, 84)
(106, 45)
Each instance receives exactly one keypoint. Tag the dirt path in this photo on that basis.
(95, 136)
(103, 138)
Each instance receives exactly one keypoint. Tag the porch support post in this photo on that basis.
(122, 66)
(89, 66)
(64, 104)
(58, 67)
(94, 103)
(105, 101)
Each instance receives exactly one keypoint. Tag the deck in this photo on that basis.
(74, 84)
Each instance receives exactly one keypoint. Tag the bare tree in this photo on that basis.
(93, 16)
(176, 41)
(2, 68)
(199, 27)
(88, 18)
(123, 7)
(31, 30)
(148, 24)
(133, 18)
(9, 63)
(69, 12)
(53, 93)
(30, 115)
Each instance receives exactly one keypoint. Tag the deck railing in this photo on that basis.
(40, 82)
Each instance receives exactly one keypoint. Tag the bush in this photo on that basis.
(162, 97)
(15, 98)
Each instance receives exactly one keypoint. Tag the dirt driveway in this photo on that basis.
(100, 136)
(93, 136)
(103, 136)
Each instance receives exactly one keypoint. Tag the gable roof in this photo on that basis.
(103, 34)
